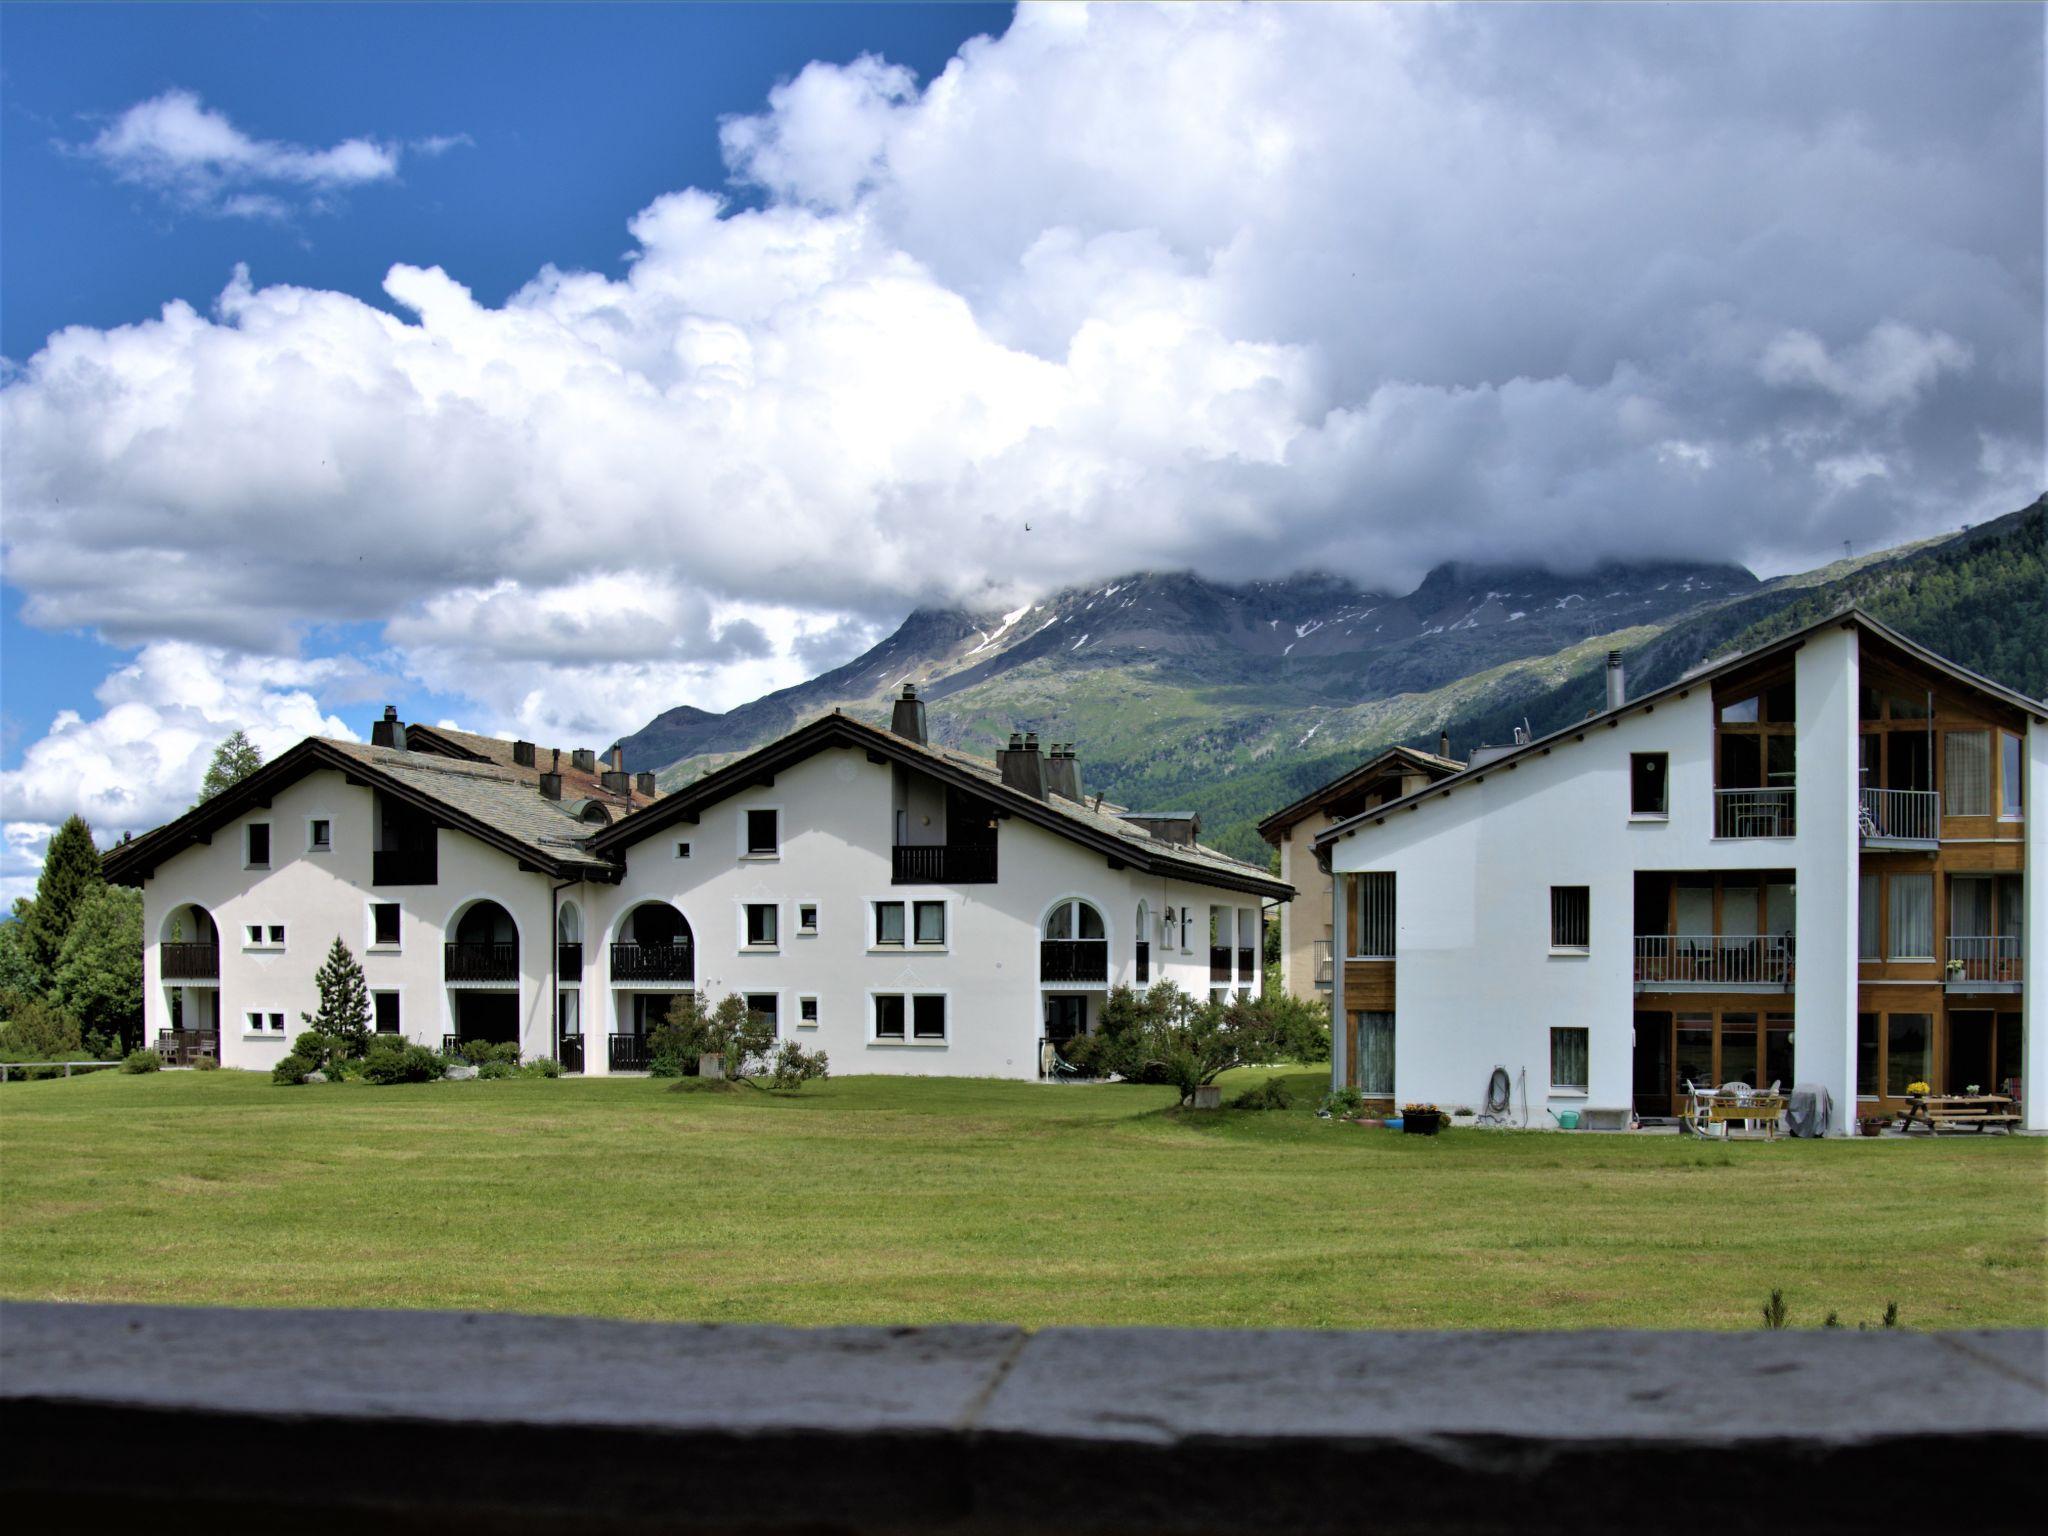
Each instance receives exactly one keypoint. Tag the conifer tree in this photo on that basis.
(344, 1011)
(71, 873)
(233, 761)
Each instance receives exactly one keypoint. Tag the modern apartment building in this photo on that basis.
(1820, 862)
(1307, 969)
(908, 908)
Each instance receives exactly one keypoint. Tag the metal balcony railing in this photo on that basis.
(481, 962)
(1708, 961)
(1899, 815)
(1991, 960)
(629, 1053)
(942, 864)
(572, 1053)
(569, 961)
(189, 962)
(1073, 960)
(1755, 812)
(404, 866)
(675, 962)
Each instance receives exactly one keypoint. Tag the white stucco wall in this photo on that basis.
(2034, 1011)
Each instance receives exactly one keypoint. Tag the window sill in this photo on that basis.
(383, 949)
(811, 1026)
(807, 933)
(1570, 1093)
(760, 949)
(760, 858)
(1648, 818)
(266, 1035)
(1570, 952)
(262, 949)
(894, 1045)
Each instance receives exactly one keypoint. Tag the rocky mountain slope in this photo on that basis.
(1234, 699)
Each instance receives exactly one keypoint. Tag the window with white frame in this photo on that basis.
(891, 1020)
(263, 935)
(1966, 778)
(807, 917)
(1649, 786)
(384, 924)
(928, 1017)
(1909, 929)
(1568, 1056)
(888, 924)
(385, 1007)
(265, 1023)
(682, 850)
(257, 848)
(2011, 776)
(915, 1018)
(766, 1005)
(761, 927)
(807, 1013)
(763, 834)
(320, 835)
(1571, 917)
(928, 922)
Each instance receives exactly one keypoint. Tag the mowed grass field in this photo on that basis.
(872, 1200)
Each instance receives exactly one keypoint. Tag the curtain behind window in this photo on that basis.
(1969, 907)
(1375, 1054)
(1869, 944)
(1911, 935)
(1967, 786)
(1568, 1058)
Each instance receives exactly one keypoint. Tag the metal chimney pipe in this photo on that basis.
(1617, 685)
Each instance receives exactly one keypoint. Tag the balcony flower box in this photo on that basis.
(1421, 1120)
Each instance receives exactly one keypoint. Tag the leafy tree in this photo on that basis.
(17, 966)
(98, 978)
(71, 872)
(38, 1030)
(744, 1039)
(1165, 1035)
(344, 1013)
(233, 761)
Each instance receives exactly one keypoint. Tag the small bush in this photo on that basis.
(318, 1049)
(207, 1064)
(400, 1062)
(493, 1070)
(142, 1061)
(291, 1070)
(792, 1066)
(1271, 1094)
(541, 1066)
(39, 1028)
(1343, 1102)
(483, 1053)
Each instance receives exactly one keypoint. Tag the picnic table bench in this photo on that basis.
(1938, 1112)
(1723, 1108)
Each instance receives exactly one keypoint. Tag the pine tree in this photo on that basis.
(233, 761)
(71, 873)
(98, 979)
(344, 1000)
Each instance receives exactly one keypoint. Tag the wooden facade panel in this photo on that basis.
(1368, 986)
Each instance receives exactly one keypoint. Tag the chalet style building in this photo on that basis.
(1307, 969)
(906, 907)
(1818, 862)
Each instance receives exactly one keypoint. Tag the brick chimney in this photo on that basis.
(1022, 767)
(907, 718)
(1063, 771)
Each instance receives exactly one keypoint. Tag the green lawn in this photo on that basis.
(876, 1201)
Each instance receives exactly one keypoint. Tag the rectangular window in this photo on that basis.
(259, 845)
(1568, 1052)
(682, 850)
(807, 1013)
(761, 833)
(1375, 1054)
(255, 1024)
(1571, 917)
(1649, 774)
(768, 1006)
(384, 923)
(928, 1017)
(1693, 1051)
(320, 836)
(1966, 782)
(1372, 917)
(277, 933)
(2011, 776)
(387, 1012)
(1910, 929)
(888, 922)
(255, 932)
(760, 925)
(1869, 943)
(1908, 1052)
(930, 921)
(807, 918)
(889, 1023)
(1866, 1055)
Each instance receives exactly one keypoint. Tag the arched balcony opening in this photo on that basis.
(481, 967)
(1074, 945)
(188, 965)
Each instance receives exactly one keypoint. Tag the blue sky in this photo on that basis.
(577, 117)
(541, 368)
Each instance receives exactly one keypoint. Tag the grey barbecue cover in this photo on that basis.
(1809, 1110)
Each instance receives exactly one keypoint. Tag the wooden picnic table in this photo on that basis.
(1938, 1112)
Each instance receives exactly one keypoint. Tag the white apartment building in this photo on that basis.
(1819, 862)
(907, 908)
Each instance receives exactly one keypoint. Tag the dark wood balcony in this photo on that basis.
(942, 864)
(404, 866)
(189, 962)
(655, 962)
(1073, 960)
(1219, 964)
(481, 962)
(629, 1053)
(1245, 970)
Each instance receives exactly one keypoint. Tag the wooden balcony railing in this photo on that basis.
(1219, 963)
(1707, 960)
(481, 962)
(1899, 816)
(1755, 812)
(185, 1047)
(629, 1053)
(189, 962)
(404, 866)
(655, 962)
(942, 864)
(1073, 960)
(1986, 961)
(1245, 969)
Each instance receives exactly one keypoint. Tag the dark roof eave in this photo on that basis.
(1279, 821)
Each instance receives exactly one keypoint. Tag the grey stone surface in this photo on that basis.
(460, 1072)
(448, 1421)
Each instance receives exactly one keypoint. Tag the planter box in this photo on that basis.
(712, 1066)
(1418, 1123)
(1208, 1096)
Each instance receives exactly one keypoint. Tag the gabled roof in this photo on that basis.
(1851, 617)
(1091, 824)
(1389, 761)
(467, 746)
(496, 807)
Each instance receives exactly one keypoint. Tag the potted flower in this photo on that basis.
(1917, 1090)
(1955, 970)
(1421, 1119)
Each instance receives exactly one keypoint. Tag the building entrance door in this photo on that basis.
(1653, 1064)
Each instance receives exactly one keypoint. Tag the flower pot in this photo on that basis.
(1871, 1125)
(1421, 1122)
